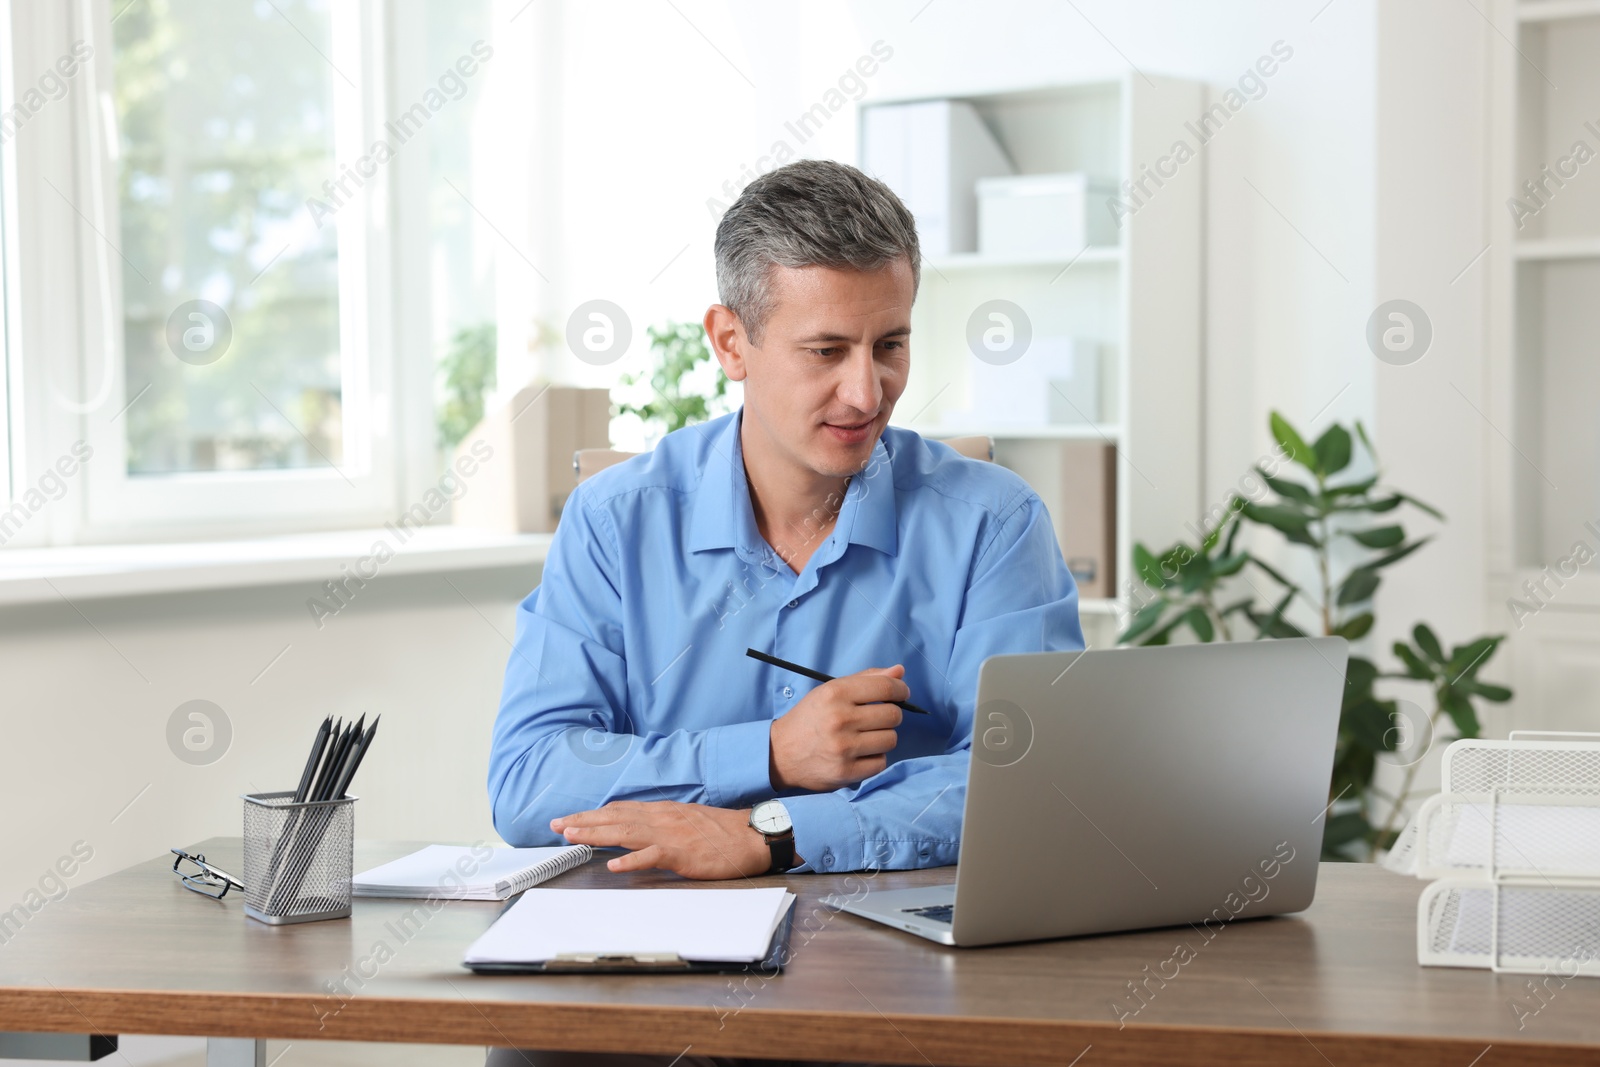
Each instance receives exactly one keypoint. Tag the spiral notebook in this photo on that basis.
(454, 872)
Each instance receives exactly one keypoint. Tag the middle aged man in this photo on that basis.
(803, 526)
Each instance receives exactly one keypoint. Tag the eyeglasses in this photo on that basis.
(196, 874)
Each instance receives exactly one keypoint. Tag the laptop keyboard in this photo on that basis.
(939, 913)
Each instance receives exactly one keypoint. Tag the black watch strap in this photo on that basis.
(782, 848)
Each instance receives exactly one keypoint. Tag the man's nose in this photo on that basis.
(859, 385)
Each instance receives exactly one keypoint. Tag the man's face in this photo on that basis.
(833, 360)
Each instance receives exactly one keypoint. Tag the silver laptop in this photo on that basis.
(1133, 788)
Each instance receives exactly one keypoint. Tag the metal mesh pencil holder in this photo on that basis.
(298, 858)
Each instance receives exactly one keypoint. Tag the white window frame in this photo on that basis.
(382, 375)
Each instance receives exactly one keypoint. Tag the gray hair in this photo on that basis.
(812, 212)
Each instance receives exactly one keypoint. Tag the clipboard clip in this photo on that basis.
(592, 961)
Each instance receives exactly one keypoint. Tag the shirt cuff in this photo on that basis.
(826, 833)
(738, 763)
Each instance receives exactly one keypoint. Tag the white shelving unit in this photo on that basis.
(1139, 298)
(1544, 487)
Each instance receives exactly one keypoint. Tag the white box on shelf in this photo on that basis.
(1037, 214)
(932, 153)
(1056, 382)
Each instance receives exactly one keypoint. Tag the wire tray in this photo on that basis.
(1514, 843)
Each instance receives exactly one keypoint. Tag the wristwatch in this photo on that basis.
(770, 819)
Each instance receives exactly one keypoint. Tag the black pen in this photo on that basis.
(819, 676)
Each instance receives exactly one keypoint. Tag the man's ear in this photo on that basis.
(725, 334)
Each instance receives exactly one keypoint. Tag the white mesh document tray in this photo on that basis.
(1514, 843)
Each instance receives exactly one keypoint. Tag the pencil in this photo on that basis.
(819, 676)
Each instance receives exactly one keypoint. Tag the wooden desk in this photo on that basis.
(137, 953)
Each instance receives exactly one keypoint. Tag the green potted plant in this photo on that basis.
(1345, 523)
(685, 384)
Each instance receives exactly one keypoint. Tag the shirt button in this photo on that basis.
(827, 858)
(788, 691)
(793, 603)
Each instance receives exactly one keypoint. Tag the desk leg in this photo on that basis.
(81, 1047)
(235, 1052)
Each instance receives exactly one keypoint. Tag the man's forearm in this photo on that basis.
(538, 775)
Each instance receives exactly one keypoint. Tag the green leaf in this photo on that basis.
(1284, 487)
(1415, 666)
(1396, 556)
(1465, 660)
(1388, 503)
(1353, 488)
(1200, 623)
(1358, 586)
(1379, 536)
(1163, 633)
(1144, 565)
(1333, 450)
(1289, 521)
(1359, 675)
(1234, 525)
(1226, 566)
(1279, 516)
(1343, 829)
(1294, 445)
(1143, 619)
(1497, 694)
(1273, 571)
(1361, 432)
(1356, 628)
(1459, 708)
(1435, 512)
(1427, 642)
(1274, 625)
(1369, 724)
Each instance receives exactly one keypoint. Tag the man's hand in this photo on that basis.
(689, 839)
(839, 732)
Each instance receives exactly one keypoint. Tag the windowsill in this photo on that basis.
(42, 575)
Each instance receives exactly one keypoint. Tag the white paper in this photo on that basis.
(711, 925)
(1547, 837)
(452, 871)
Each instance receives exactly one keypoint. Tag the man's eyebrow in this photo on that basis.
(898, 331)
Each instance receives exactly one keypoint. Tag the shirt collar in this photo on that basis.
(723, 517)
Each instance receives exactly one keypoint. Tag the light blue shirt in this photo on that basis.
(628, 679)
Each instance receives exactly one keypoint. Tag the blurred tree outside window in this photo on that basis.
(225, 126)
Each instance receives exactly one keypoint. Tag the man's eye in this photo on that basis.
(823, 352)
(893, 345)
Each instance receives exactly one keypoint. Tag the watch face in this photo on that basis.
(771, 817)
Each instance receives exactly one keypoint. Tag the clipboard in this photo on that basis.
(653, 963)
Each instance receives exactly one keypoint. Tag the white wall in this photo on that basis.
(664, 111)
(88, 697)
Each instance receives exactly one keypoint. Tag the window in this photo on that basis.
(242, 286)
(225, 115)
(251, 232)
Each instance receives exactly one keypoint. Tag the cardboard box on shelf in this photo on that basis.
(537, 432)
(1087, 523)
